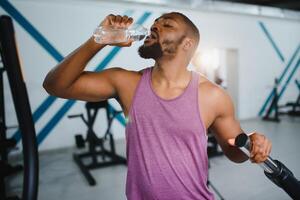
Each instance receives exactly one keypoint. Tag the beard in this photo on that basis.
(153, 51)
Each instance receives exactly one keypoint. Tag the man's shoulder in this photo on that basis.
(214, 97)
(128, 73)
(207, 85)
(123, 76)
(211, 90)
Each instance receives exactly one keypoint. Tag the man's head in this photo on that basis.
(171, 34)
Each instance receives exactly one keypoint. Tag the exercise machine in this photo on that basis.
(290, 108)
(108, 155)
(273, 106)
(275, 170)
(6, 144)
(295, 106)
(213, 151)
(12, 66)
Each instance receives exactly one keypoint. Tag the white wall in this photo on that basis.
(67, 24)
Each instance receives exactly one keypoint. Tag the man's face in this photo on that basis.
(167, 33)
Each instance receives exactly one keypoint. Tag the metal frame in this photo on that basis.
(11, 63)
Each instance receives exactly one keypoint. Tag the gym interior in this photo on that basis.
(58, 148)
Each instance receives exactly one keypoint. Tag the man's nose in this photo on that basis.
(154, 28)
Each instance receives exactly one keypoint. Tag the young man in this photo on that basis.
(169, 110)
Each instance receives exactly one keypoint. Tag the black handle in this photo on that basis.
(280, 175)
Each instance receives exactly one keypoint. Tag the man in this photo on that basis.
(169, 110)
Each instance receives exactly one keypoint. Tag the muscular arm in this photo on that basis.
(69, 80)
(225, 126)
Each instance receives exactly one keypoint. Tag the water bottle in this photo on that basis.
(114, 35)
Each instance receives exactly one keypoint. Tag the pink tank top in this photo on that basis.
(166, 145)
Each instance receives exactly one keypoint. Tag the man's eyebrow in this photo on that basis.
(166, 17)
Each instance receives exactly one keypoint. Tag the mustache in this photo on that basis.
(153, 51)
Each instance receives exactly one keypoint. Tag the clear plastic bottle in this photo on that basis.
(114, 35)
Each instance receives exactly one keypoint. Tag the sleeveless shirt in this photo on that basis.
(166, 145)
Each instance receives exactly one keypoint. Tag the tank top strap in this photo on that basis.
(193, 86)
(190, 92)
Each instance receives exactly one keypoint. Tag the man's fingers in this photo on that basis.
(231, 142)
(260, 150)
(268, 149)
(253, 149)
(111, 19)
(130, 20)
(118, 19)
(258, 158)
(124, 19)
(257, 154)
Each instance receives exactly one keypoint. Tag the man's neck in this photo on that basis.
(171, 72)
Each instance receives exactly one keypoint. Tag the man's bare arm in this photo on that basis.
(225, 126)
(69, 80)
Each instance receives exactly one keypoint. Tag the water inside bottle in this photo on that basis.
(137, 37)
(137, 32)
(110, 34)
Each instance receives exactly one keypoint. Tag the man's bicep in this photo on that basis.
(225, 126)
(94, 86)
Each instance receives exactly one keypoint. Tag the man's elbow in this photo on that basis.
(51, 89)
(236, 155)
(238, 160)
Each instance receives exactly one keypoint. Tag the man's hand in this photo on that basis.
(118, 21)
(260, 149)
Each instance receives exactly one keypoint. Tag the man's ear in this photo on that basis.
(187, 43)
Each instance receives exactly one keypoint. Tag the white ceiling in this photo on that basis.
(220, 6)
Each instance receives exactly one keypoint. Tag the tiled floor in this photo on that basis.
(60, 178)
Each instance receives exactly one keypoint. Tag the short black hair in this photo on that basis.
(193, 28)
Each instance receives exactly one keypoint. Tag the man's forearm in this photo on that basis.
(66, 72)
(236, 155)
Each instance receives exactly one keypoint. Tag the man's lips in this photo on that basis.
(153, 35)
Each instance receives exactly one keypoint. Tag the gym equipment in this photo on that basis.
(209, 183)
(212, 146)
(295, 110)
(94, 141)
(278, 109)
(275, 170)
(12, 66)
(273, 105)
(213, 151)
(6, 145)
